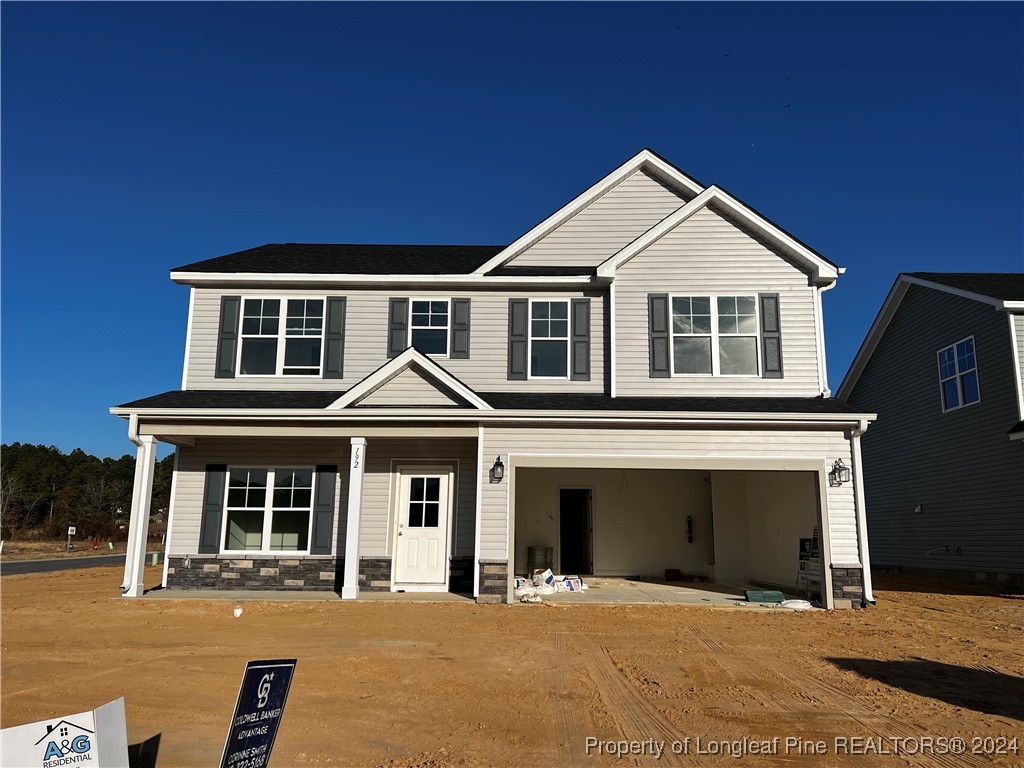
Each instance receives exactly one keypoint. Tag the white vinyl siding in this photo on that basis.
(411, 388)
(375, 536)
(604, 227)
(710, 255)
(678, 444)
(366, 330)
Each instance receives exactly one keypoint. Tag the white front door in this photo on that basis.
(421, 543)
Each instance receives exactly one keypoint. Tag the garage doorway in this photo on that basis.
(576, 530)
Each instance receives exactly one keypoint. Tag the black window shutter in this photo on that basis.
(518, 317)
(334, 338)
(323, 510)
(398, 326)
(213, 508)
(580, 340)
(771, 336)
(227, 337)
(460, 330)
(658, 327)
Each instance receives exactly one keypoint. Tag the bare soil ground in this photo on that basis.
(442, 685)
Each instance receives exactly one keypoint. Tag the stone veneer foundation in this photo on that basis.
(493, 581)
(374, 574)
(848, 587)
(212, 572)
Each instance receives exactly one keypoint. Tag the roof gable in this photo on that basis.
(411, 380)
(606, 225)
(647, 161)
(823, 270)
(948, 282)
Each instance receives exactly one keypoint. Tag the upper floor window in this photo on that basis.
(258, 521)
(270, 347)
(715, 335)
(549, 339)
(429, 325)
(958, 375)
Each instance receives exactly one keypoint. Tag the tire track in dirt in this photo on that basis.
(741, 669)
(636, 718)
(835, 698)
(564, 728)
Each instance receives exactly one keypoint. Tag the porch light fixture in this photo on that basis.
(497, 471)
(840, 474)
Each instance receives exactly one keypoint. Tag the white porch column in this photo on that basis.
(356, 468)
(138, 528)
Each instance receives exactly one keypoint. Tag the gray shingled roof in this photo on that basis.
(335, 259)
(1005, 286)
(233, 398)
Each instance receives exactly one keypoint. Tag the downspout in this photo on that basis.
(133, 435)
(858, 498)
(820, 322)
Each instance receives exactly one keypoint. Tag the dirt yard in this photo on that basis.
(438, 685)
(46, 550)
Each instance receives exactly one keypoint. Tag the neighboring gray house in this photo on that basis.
(638, 383)
(945, 464)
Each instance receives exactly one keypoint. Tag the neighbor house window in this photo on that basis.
(958, 375)
(549, 339)
(715, 335)
(258, 521)
(429, 325)
(270, 347)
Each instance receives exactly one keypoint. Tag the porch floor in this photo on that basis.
(278, 595)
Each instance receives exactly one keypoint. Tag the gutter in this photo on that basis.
(858, 498)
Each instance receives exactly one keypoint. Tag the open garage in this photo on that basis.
(732, 527)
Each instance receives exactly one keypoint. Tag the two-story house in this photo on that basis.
(636, 384)
(941, 366)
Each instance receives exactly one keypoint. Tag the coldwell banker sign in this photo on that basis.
(254, 725)
(97, 739)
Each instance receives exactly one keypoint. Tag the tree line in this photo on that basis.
(43, 491)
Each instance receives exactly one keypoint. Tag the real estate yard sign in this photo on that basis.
(261, 700)
(98, 739)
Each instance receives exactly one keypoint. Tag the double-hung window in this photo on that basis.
(958, 375)
(272, 346)
(715, 335)
(268, 510)
(429, 325)
(549, 339)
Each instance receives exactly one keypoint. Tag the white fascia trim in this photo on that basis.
(320, 280)
(188, 338)
(643, 159)
(874, 335)
(398, 364)
(1016, 368)
(823, 271)
(499, 417)
(997, 303)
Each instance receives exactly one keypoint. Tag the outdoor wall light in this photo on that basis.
(497, 471)
(840, 474)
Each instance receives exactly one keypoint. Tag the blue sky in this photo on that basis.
(140, 137)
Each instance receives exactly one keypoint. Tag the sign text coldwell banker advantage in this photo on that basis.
(254, 725)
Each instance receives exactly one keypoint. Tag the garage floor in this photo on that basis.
(607, 589)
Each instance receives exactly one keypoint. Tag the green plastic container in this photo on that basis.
(764, 596)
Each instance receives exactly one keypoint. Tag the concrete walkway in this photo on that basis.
(280, 595)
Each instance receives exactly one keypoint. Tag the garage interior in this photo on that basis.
(734, 528)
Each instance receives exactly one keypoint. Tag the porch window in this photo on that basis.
(429, 326)
(258, 521)
(958, 375)
(272, 348)
(714, 335)
(549, 339)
